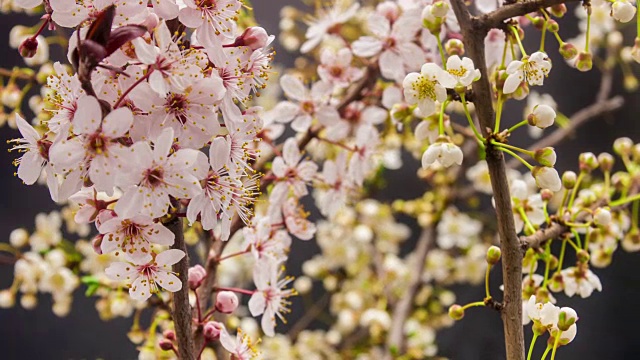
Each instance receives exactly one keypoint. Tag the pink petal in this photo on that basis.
(169, 257)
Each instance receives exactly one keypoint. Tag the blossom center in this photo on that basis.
(177, 105)
(424, 88)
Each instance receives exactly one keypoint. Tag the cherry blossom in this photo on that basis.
(269, 300)
(212, 19)
(133, 236)
(398, 53)
(424, 89)
(334, 176)
(532, 69)
(311, 104)
(581, 281)
(145, 275)
(153, 175)
(335, 67)
(459, 72)
(264, 240)
(94, 150)
(327, 20)
(291, 173)
(240, 347)
(443, 152)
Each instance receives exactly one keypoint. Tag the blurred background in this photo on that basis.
(607, 326)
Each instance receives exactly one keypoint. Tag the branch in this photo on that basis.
(395, 339)
(496, 18)
(182, 316)
(473, 34)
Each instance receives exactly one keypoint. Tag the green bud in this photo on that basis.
(566, 318)
(630, 82)
(553, 26)
(559, 10)
(588, 161)
(583, 256)
(545, 156)
(621, 180)
(546, 194)
(568, 51)
(493, 255)
(456, 312)
(584, 62)
(538, 22)
(454, 47)
(622, 146)
(606, 161)
(569, 179)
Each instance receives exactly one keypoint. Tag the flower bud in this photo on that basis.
(602, 217)
(7, 299)
(253, 37)
(303, 284)
(553, 26)
(606, 161)
(546, 194)
(96, 243)
(556, 284)
(559, 10)
(584, 62)
(400, 112)
(588, 161)
(547, 178)
(169, 334)
(430, 21)
(583, 256)
(566, 318)
(631, 241)
(493, 255)
(196, 276)
(28, 47)
(19, 237)
(623, 146)
(569, 179)
(538, 22)
(542, 116)
(545, 156)
(440, 9)
(568, 51)
(454, 47)
(623, 11)
(165, 344)
(621, 180)
(11, 96)
(456, 312)
(211, 330)
(389, 9)
(226, 302)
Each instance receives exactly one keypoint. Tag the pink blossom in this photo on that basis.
(395, 44)
(154, 175)
(326, 21)
(311, 104)
(295, 219)
(240, 347)
(269, 300)
(211, 18)
(133, 236)
(291, 173)
(264, 240)
(335, 67)
(146, 275)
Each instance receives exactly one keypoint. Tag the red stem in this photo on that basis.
(239, 291)
(138, 82)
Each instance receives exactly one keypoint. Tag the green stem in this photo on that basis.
(526, 220)
(477, 303)
(441, 119)
(521, 123)
(586, 45)
(555, 345)
(561, 257)
(544, 356)
(523, 161)
(514, 148)
(543, 36)
(517, 35)
(496, 128)
(486, 282)
(533, 342)
(470, 120)
(548, 265)
(625, 200)
(634, 214)
(441, 49)
(574, 192)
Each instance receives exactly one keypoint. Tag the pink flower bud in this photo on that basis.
(28, 47)
(169, 334)
(165, 344)
(97, 243)
(226, 302)
(212, 330)
(254, 37)
(196, 276)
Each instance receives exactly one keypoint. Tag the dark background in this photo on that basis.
(608, 321)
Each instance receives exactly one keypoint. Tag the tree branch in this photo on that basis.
(473, 34)
(182, 316)
(496, 18)
(395, 339)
